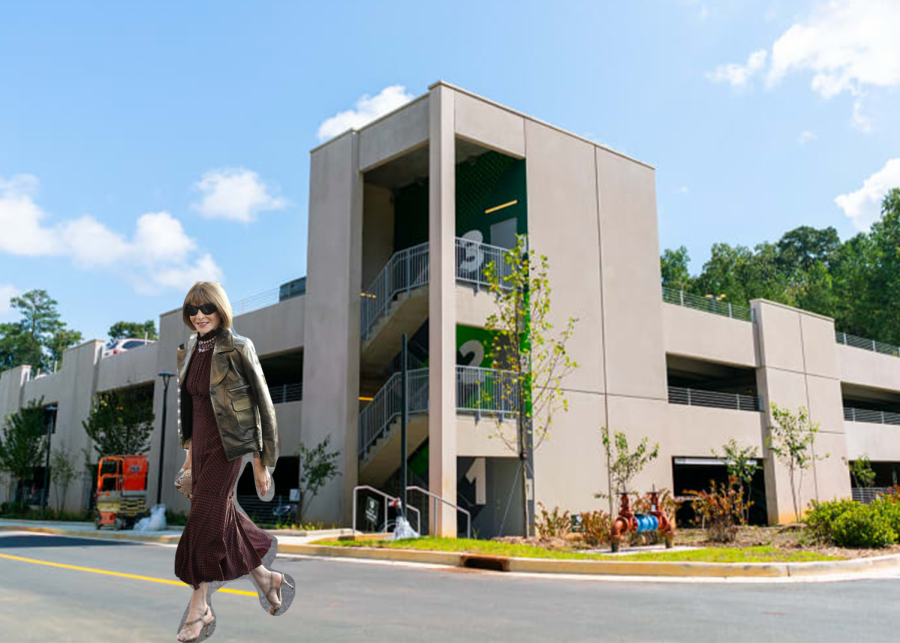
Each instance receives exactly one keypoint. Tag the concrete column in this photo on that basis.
(331, 359)
(799, 367)
(442, 309)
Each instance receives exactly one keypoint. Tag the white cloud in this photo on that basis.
(684, 189)
(235, 194)
(847, 45)
(864, 205)
(860, 120)
(806, 136)
(738, 75)
(159, 255)
(367, 110)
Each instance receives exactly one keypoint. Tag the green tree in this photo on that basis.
(674, 269)
(120, 422)
(861, 471)
(534, 358)
(740, 462)
(124, 329)
(317, 467)
(792, 439)
(623, 465)
(62, 473)
(23, 443)
(39, 337)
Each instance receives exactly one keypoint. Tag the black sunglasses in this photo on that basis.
(208, 309)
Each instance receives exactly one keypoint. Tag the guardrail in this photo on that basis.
(482, 391)
(281, 393)
(389, 498)
(707, 304)
(868, 415)
(486, 391)
(866, 344)
(405, 270)
(473, 257)
(866, 495)
(435, 499)
(386, 406)
(716, 399)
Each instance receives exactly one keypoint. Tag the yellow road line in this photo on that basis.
(109, 573)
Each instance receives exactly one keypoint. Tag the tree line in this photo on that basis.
(856, 282)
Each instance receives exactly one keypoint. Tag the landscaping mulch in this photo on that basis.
(789, 538)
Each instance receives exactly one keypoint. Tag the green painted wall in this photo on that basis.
(490, 180)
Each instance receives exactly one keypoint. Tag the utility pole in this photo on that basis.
(162, 438)
(404, 418)
(44, 493)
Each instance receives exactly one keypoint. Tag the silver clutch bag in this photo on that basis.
(183, 483)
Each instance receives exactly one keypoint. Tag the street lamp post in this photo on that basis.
(44, 494)
(162, 439)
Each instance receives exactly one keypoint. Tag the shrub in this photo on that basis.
(553, 525)
(821, 516)
(722, 509)
(595, 528)
(863, 526)
(889, 509)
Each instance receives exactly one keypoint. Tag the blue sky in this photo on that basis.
(144, 146)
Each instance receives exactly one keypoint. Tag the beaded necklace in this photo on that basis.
(204, 345)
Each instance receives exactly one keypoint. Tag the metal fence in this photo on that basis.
(486, 391)
(707, 304)
(717, 399)
(867, 344)
(281, 393)
(868, 415)
(406, 270)
(473, 258)
(386, 406)
(866, 495)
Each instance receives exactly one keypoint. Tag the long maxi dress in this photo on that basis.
(219, 542)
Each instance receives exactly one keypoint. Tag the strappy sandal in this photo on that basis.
(201, 627)
(275, 605)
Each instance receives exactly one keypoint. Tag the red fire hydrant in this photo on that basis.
(628, 521)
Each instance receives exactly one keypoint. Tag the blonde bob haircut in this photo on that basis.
(208, 292)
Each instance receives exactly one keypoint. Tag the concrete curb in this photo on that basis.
(608, 568)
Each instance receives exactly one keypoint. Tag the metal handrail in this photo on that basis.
(446, 502)
(386, 405)
(707, 304)
(866, 344)
(386, 507)
(872, 416)
(472, 257)
(405, 270)
(487, 391)
(281, 393)
(716, 399)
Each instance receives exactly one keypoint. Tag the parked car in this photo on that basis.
(116, 346)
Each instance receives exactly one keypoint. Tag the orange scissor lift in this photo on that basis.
(121, 490)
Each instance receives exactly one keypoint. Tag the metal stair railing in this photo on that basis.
(405, 270)
(435, 498)
(387, 506)
(386, 406)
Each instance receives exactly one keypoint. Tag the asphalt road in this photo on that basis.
(352, 601)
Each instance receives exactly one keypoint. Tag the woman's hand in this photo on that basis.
(187, 461)
(261, 476)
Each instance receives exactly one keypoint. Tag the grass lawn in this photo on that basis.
(761, 554)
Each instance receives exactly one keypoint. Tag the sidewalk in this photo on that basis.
(171, 535)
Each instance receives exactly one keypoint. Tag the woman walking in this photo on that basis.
(224, 412)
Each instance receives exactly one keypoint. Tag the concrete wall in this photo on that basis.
(799, 367)
(701, 335)
(334, 283)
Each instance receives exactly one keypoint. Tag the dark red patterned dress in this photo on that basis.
(219, 542)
